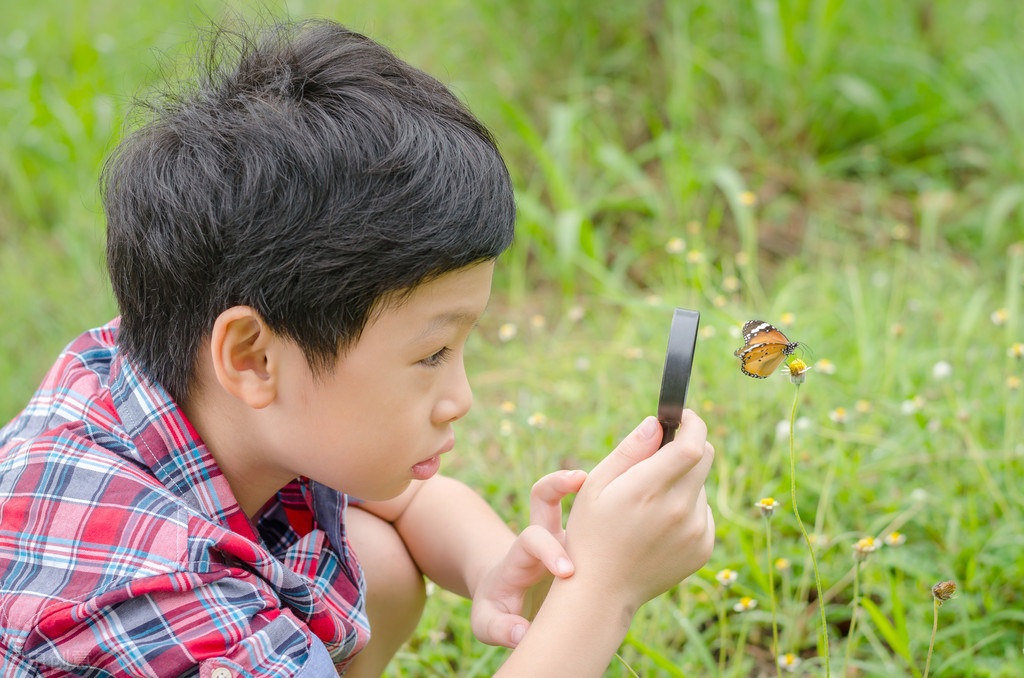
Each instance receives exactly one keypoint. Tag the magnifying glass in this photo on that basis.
(675, 378)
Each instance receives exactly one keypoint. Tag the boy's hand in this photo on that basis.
(641, 523)
(497, 616)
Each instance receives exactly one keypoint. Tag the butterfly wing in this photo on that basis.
(764, 348)
(761, 332)
(760, 360)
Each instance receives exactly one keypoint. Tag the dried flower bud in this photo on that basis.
(944, 590)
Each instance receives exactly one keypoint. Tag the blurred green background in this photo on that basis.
(847, 170)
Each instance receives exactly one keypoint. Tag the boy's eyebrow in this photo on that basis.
(458, 318)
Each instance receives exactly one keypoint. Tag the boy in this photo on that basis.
(299, 248)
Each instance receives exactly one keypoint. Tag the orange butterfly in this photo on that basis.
(764, 348)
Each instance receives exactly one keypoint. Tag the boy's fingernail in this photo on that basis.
(518, 631)
(563, 566)
(648, 427)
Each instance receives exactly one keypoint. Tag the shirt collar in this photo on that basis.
(170, 447)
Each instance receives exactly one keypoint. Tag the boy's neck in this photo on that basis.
(228, 429)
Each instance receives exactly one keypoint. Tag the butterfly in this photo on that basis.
(764, 348)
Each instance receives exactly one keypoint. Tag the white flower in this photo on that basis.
(745, 603)
(895, 539)
(507, 332)
(912, 405)
(789, 662)
(942, 370)
(726, 577)
(537, 420)
(782, 428)
(767, 506)
(864, 548)
(838, 415)
(825, 366)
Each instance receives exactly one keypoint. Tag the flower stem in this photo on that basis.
(771, 594)
(853, 616)
(931, 645)
(724, 638)
(800, 522)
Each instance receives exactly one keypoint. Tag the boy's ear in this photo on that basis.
(243, 351)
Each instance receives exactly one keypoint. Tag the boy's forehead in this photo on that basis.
(457, 298)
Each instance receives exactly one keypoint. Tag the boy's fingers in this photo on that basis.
(689, 456)
(640, 444)
(678, 465)
(504, 629)
(546, 498)
(694, 480)
(537, 544)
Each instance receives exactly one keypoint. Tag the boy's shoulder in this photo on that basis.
(92, 514)
(74, 390)
(81, 512)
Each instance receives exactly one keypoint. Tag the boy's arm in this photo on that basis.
(450, 531)
(458, 541)
(639, 525)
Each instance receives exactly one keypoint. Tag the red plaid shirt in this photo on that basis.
(124, 553)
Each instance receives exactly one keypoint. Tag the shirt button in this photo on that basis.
(221, 672)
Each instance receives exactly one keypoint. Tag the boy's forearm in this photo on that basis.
(452, 533)
(576, 632)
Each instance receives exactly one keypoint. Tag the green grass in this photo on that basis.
(856, 165)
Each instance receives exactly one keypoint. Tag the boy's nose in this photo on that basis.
(457, 398)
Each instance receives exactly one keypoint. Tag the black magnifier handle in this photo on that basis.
(675, 378)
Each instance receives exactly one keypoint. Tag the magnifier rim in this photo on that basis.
(675, 376)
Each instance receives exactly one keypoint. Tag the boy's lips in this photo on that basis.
(428, 467)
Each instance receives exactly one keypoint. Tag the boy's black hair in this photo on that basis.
(312, 177)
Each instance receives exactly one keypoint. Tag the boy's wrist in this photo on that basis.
(580, 625)
(608, 603)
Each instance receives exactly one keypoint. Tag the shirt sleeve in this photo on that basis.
(222, 629)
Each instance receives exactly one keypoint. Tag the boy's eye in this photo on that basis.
(437, 358)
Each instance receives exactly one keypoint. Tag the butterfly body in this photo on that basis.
(764, 348)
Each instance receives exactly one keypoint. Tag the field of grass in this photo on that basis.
(848, 171)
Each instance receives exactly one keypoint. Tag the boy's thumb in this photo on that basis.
(640, 444)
